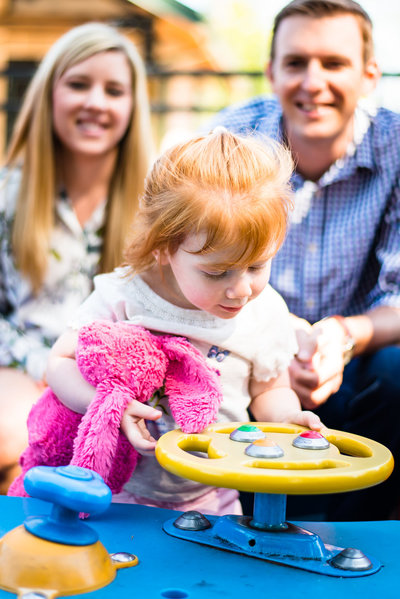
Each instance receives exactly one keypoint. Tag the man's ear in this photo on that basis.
(372, 75)
(269, 72)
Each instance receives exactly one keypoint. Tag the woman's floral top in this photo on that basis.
(30, 324)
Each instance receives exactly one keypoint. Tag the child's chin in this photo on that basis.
(228, 312)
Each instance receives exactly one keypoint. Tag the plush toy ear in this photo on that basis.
(125, 363)
(192, 386)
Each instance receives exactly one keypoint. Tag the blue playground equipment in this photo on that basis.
(56, 553)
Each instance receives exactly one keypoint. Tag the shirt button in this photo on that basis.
(312, 247)
(310, 303)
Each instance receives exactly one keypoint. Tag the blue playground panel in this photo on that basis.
(171, 568)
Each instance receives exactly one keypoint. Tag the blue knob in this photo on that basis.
(71, 489)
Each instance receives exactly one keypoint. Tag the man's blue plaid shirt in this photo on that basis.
(342, 251)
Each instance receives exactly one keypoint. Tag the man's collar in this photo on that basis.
(360, 153)
(361, 146)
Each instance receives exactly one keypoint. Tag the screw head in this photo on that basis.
(122, 557)
(192, 520)
(351, 559)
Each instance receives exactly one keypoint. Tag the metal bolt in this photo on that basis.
(122, 557)
(192, 520)
(351, 559)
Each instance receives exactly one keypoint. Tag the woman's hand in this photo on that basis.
(134, 427)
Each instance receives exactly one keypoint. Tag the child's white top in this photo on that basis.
(259, 342)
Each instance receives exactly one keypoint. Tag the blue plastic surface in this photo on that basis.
(173, 568)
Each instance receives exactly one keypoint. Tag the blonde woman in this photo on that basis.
(74, 170)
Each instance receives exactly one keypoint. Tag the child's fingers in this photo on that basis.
(312, 421)
(145, 431)
(137, 434)
(139, 410)
(306, 418)
(134, 427)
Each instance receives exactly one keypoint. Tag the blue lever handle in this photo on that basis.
(72, 490)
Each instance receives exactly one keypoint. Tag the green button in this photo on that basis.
(248, 428)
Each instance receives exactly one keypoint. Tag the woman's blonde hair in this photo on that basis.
(34, 147)
(234, 189)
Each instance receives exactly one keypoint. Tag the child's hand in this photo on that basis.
(134, 428)
(305, 418)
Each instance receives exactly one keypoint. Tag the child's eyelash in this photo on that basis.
(214, 276)
(258, 267)
(221, 275)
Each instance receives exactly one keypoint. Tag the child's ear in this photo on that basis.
(161, 256)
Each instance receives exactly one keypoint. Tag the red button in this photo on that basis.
(311, 435)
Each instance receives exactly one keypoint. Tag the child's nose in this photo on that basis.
(240, 288)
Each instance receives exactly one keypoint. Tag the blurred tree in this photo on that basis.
(239, 34)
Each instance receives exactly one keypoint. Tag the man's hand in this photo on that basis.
(134, 427)
(317, 369)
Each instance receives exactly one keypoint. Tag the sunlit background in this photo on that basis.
(200, 55)
(249, 23)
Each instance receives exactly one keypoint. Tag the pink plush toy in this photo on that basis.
(124, 362)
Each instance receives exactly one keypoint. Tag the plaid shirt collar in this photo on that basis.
(360, 153)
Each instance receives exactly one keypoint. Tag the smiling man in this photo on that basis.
(339, 268)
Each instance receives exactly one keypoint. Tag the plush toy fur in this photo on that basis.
(124, 362)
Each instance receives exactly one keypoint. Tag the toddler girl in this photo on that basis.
(212, 217)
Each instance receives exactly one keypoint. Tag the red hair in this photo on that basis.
(235, 189)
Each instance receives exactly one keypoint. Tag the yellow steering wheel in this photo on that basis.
(315, 464)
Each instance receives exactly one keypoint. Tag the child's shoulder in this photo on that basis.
(119, 277)
(117, 285)
(265, 313)
(271, 299)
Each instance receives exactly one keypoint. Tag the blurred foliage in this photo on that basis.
(240, 35)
